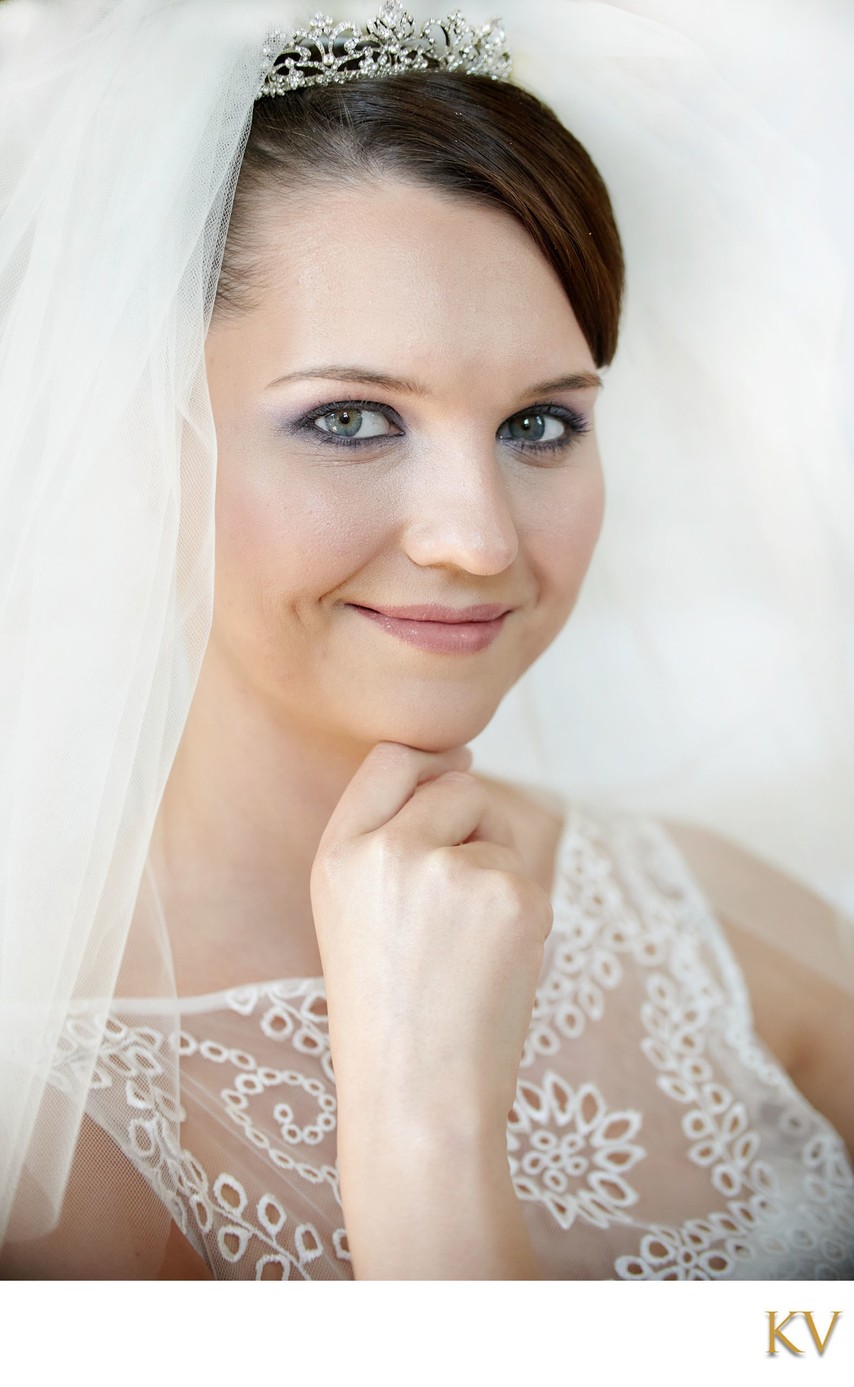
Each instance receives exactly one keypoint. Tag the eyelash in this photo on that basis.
(577, 426)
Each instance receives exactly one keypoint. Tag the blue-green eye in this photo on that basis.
(543, 428)
(350, 422)
(540, 429)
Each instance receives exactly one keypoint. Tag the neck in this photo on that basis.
(247, 801)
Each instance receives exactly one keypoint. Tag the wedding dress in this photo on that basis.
(653, 1135)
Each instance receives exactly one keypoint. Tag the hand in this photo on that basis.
(431, 937)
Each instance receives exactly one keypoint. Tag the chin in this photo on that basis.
(431, 729)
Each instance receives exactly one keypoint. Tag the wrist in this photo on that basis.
(431, 1200)
(386, 1129)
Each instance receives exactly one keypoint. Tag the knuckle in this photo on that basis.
(507, 893)
(540, 911)
(386, 846)
(547, 916)
(510, 860)
(444, 865)
(521, 901)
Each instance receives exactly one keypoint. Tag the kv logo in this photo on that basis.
(775, 1331)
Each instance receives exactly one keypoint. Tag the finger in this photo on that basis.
(537, 904)
(491, 856)
(386, 779)
(453, 809)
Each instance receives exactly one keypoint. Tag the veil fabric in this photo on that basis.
(707, 671)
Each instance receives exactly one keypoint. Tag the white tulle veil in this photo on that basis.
(707, 669)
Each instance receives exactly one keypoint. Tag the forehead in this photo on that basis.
(399, 273)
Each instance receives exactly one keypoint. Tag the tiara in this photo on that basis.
(388, 45)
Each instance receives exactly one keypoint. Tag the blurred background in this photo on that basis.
(794, 60)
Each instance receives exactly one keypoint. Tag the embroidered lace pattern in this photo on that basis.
(652, 1134)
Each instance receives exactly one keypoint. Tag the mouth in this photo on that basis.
(444, 630)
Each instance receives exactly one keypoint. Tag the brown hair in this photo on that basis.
(474, 136)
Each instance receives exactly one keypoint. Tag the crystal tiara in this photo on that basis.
(327, 52)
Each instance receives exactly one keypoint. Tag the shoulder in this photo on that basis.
(782, 913)
(797, 963)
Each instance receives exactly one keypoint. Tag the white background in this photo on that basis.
(794, 59)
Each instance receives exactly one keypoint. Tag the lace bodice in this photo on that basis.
(652, 1135)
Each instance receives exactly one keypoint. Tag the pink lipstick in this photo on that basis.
(444, 630)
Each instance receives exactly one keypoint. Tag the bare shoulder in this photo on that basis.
(795, 962)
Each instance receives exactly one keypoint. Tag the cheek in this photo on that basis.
(292, 539)
(562, 535)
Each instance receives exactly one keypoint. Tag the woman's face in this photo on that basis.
(393, 432)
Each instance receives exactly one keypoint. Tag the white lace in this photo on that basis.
(652, 1135)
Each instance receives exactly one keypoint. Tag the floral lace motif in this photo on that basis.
(652, 1134)
(575, 1151)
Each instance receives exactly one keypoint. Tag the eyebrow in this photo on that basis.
(576, 380)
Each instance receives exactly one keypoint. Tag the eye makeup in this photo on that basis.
(532, 420)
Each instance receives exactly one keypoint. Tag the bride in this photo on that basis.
(379, 1013)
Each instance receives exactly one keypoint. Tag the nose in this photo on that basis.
(460, 515)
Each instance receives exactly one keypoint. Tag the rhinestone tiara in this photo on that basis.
(327, 52)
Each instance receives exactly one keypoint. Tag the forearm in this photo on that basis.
(421, 1204)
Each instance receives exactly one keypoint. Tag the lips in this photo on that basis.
(442, 630)
(431, 611)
